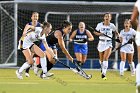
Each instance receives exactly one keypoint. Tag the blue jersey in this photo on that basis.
(37, 25)
(80, 36)
(78, 46)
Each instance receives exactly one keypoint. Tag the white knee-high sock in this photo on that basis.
(122, 65)
(101, 63)
(43, 63)
(24, 66)
(104, 67)
(132, 66)
(138, 74)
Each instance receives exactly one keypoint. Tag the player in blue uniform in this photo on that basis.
(81, 47)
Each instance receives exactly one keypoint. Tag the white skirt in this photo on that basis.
(104, 45)
(129, 48)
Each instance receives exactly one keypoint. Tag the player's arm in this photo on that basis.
(98, 33)
(26, 28)
(117, 33)
(90, 36)
(119, 44)
(61, 43)
(72, 35)
(43, 31)
(134, 16)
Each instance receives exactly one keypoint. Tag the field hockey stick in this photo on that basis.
(119, 47)
(82, 72)
(122, 45)
(117, 40)
(74, 70)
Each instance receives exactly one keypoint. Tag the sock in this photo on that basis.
(27, 70)
(49, 65)
(122, 65)
(39, 65)
(101, 63)
(43, 63)
(132, 66)
(79, 63)
(104, 67)
(24, 66)
(138, 74)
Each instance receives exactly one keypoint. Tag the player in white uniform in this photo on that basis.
(135, 22)
(126, 35)
(105, 43)
(34, 22)
(28, 47)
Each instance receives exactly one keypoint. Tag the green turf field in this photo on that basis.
(65, 81)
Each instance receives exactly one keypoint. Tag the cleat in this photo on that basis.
(132, 73)
(44, 76)
(121, 73)
(49, 74)
(104, 77)
(27, 75)
(19, 76)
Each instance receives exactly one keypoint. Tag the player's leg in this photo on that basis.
(49, 67)
(78, 54)
(101, 54)
(50, 62)
(122, 63)
(79, 58)
(105, 62)
(138, 71)
(84, 58)
(138, 77)
(27, 72)
(28, 69)
(84, 51)
(36, 65)
(131, 64)
(137, 40)
(42, 56)
(27, 64)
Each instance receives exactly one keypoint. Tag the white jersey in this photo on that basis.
(32, 37)
(105, 42)
(126, 36)
(107, 30)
